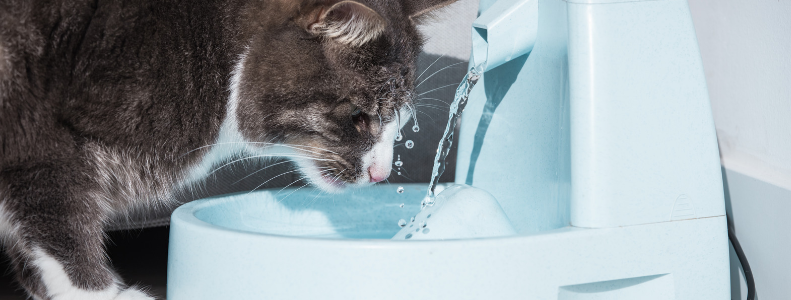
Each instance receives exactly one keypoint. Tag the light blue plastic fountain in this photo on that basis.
(592, 129)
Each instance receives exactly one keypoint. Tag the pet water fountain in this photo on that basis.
(592, 129)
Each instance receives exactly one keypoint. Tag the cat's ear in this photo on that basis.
(349, 22)
(417, 8)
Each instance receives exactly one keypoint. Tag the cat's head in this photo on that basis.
(332, 79)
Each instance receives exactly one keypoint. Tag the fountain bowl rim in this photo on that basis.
(185, 216)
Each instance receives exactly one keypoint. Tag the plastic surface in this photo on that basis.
(643, 145)
(514, 134)
(506, 30)
(217, 251)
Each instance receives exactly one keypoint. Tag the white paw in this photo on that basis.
(133, 294)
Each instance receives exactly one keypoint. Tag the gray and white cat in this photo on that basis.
(108, 107)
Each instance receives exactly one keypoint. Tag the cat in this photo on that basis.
(111, 107)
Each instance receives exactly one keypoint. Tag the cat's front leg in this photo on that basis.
(54, 234)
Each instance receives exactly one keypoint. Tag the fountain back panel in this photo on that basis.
(597, 142)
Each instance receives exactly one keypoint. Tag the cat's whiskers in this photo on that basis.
(388, 81)
(309, 151)
(435, 99)
(294, 191)
(440, 70)
(427, 115)
(436, 89)
(429, 66)
(270, 179)
(288, 185)
(337, 176)
(296, 147)
(267, 155)
(311, 147)
(295, 181)
(223, 143)
(403, 170)
(440, 108)
(322, 191)
(259, 170)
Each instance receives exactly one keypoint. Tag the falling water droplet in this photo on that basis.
(402, 206)
(398, 163)
(401, 223)
(429, 216)
(413, 219)
(399, 173)
(408, 236)
(400, 190)
(398, 137)
(423, 224)
(409, 144)
(415, 128)
(426, 230)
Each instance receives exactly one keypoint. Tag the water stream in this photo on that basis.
(443, 148)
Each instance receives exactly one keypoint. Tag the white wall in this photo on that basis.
(746, 51)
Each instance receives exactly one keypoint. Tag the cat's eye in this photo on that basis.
(359, 119)
(356, 112)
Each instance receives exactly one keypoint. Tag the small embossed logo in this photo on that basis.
(682, 209)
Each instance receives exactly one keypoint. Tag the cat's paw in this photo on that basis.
(133, 294)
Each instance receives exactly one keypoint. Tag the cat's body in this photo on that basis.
(109, 107)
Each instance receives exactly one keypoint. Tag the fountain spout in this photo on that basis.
(506, 30)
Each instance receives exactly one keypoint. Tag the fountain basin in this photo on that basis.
(276, 244)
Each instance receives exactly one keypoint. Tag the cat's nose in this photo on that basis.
(377, 174)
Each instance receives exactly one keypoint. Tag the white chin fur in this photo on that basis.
(314, 175)
(380, 155)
